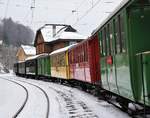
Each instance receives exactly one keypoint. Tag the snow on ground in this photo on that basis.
(36, 105)
(11, 98)
(68, 102)
(78, 103)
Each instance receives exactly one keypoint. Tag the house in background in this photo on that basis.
(24, 52)
(54, 36)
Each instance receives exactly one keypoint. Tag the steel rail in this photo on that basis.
(25, 101)
(47, 98)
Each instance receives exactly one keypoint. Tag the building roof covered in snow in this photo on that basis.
(67, 33)
(64, 32)
(29, 50)
(24, 52)
(49, 38)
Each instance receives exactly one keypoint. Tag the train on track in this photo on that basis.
(115, 59)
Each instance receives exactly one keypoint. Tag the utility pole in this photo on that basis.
(32, 10)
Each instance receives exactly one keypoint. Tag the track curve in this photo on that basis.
(47, 98)
(25, 101)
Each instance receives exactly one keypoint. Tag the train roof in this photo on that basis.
(141, 53)
(20, 61)
(37, 56)
(63, 49)
(123, 3)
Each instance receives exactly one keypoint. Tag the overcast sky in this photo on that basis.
(84, 15)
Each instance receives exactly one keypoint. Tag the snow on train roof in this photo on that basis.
(62, 49)
(36, 56)
(29, 50)
(141, 53)
(122, 3)
(21, 61)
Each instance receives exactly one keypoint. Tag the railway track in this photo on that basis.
(25, 101)
(72, 105)
(47, 98)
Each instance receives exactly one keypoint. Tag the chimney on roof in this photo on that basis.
(54, 30)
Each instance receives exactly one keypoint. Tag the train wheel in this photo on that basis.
(123, 103)
(84, 87)
(108, 96)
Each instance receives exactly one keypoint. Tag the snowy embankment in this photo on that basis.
(67, 102)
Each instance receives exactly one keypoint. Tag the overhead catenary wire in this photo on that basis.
(76, 9)
(94, 5)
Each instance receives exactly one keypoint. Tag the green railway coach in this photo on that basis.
(44, 66)
(124, 46)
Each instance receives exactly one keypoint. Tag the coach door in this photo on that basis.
(121, 56)
(107, 61)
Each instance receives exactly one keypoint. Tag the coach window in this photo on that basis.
(63, 61)
(60, 59)
(82, 53)
(71, 56)
(111, 38)
(108, 40)
(85, 52)
(105, 42)
(122, 28)
(79, 52)
(120, 36)
(69, 59)
(117, 36)
(74, 56)
(101, 44)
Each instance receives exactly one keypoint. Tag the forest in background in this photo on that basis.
(12, 35)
